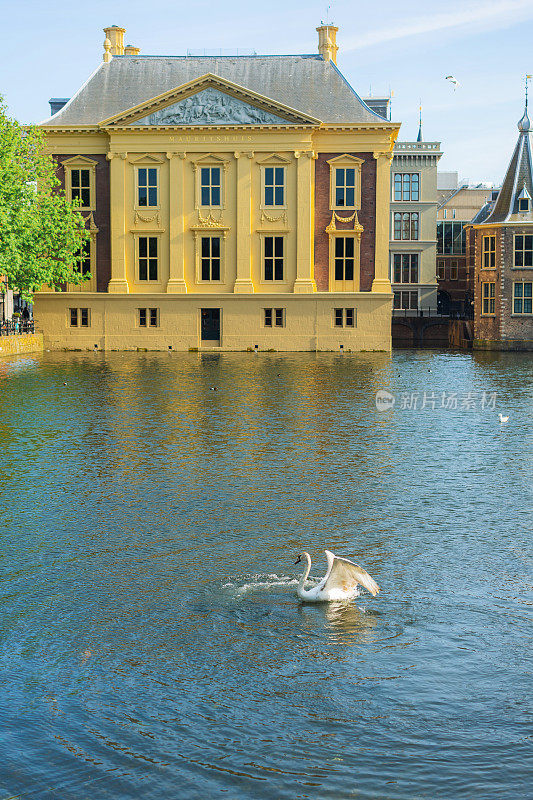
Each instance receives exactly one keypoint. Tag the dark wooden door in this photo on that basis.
(210, 324)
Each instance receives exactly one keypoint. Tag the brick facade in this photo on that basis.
(503, 326)
(101, 216)
(366, 216)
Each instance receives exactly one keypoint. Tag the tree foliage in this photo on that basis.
(41, 230)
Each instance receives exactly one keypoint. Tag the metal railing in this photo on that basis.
(431, 312)
(17, 327)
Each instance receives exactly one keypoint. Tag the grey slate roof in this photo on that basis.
(306, 83)
(519, 175)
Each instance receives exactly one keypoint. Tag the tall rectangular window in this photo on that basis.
(489, 252)
(274, 186)
(488, 297)
(142, 317)
(523, 251)
(80, 186)
(406, 187)
(522, 298)
(147, 187)
(344, 258)
(84, 317)
(73, 317)
(210, 258)
(441, 270)
(84, 258)
(345, 187)
(406, 226)
(210, 186)
(405, 268)
(147, 258)
(273, 258)
(454, 272)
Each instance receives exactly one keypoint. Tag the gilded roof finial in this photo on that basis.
(524, 125)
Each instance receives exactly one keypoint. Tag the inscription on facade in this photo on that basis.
(211, 107)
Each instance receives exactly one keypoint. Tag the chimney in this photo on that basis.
(115, 35)
(327, 42)
(130, 50)
(57, 103)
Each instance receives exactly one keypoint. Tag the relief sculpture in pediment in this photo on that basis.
(211, 107)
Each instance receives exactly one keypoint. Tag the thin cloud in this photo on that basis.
(490, 13)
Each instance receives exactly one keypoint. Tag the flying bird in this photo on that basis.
(340, 582)
(453, 80)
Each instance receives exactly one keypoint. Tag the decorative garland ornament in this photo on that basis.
(357, 227)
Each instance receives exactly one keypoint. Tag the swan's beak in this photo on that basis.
(298, 560)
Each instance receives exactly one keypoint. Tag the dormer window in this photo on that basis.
(524, 200)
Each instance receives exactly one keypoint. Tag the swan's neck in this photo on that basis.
(305, 573)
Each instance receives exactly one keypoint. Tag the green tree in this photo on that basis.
(41, 230)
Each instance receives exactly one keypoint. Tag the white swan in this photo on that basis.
(339, 583)
(503, 419)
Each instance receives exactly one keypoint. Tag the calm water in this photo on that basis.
(151, 644)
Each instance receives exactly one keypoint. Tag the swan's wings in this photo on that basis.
(345, 575)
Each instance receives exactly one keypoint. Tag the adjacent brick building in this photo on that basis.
(501, 254)
(457, 208)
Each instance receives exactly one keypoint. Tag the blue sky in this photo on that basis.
(50, 48)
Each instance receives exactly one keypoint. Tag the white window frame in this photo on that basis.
(523, 251)
(345, 161)
(393, 267)
(274, 235)
(410, 292)
(530, 298)
(209, 234)
(344, 313)
(147, 167)
(210, 160)
(264, 204)
(401, 214)
(81, 162)
(403, 200)
(147, 235)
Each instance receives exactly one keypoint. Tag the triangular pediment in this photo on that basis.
(209, 100)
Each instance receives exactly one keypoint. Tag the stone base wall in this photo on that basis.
(504, 345)
(23, 343)
(309, 321)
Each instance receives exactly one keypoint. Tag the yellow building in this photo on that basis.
(233, 202)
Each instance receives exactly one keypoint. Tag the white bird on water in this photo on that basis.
(339, 583)
(502, 418)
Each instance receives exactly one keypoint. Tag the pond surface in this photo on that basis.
(151, 643)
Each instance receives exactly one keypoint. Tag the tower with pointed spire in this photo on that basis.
(502, 255)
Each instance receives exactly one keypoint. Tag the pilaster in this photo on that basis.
(176, 204)
(304, 283)
(381, 282)
(243, 283)
(117, 187)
